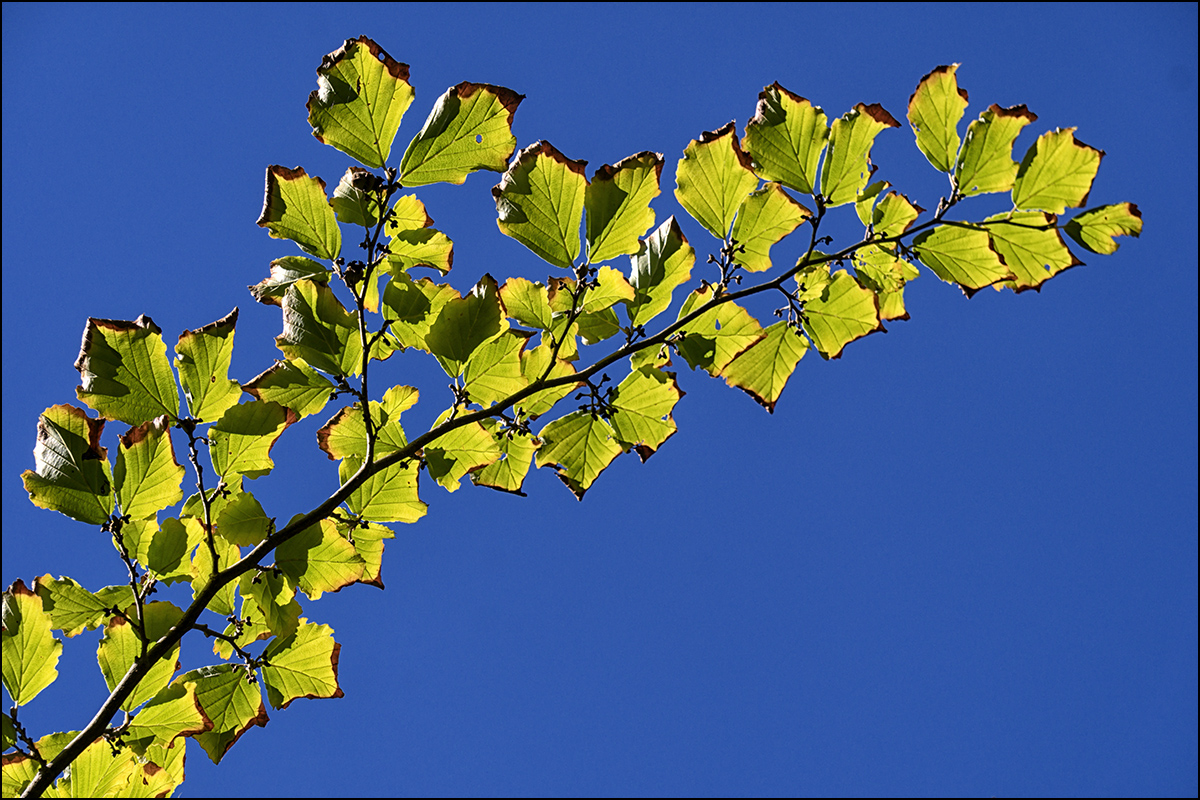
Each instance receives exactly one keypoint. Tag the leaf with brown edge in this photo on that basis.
(786, 137)
(304, 664)
(1096, 227)
(539, 202)
(985, 160)
(71, 473)
(847, 168)
(713, 178)
(361, 96)
(1032, 246)
(618, 205)
(469, 129)
(293, 384)
(1056, 173)
(844, 312)
(763, 369)
(202, 359)
(962, 254)
(231, 702)
(125, 371)
(319, 560)
(295, 207)
(934, 110)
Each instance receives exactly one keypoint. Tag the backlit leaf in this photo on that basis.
(368, 543)
(508, 472)
(961, 254)
(540, 203)
(302, 665)
(120, 648)
(240, 443)
(763, 369)
(167, 553)
(233, 704)
(203, 358)
(292, 384)
(527, 302)
(934, 110)
(30, 651)
(295, 207)
(243, 521)
(319, 560)
(786, 137)
(453, 455)
(1095, 228)
(844, 312)
(894, 214)
(412, 306)
(125, 371)
(148, 478)
(361, 96)
(718, 335)
(763, 219)
(985, 162)
(664, 261)
(469, 128)
(284, 272)
(464, 324)
(618, 205)
(643, 403)
(1056, 173)
(71, 473)
(535, 364)
(203, 570)
(354, 202)
(493, 372)
(413, 243)
(346, 433)
(318, 329)
(1031, 246)
(72, 608)
(390, 495)
(847, 168)
(175, 711)
(579, 446)
(713, 178)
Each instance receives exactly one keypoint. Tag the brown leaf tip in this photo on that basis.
(1021, 111)
(506, 97)
(646, 158)
(878, 113)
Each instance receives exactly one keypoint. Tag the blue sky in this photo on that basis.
(961, 560)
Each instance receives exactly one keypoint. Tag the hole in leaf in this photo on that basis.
(478, 138)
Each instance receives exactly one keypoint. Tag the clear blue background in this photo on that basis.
(959, 561)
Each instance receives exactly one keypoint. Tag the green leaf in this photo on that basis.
(1031, 246)
(527, 302)
(847, 168)
(125, 371)
(319, 560)
(540, 203)
(469, 128)
(597, 326)
(243, 521)
(1095, 228)
(302, 665)
(295, 207)
(763, 219)
(894, 214)
(610, 288)
(579, 446)
(368, 543)
(18, 771)
(98, 772)
(71, 474)
(240, 443)
(72, 608)
(845, 311)
(268, 602)
(664, 261)
(864, 206)
(493, 372)
(346, 433)
(785, 138)
(934, 110)
(31, 652)
(713, 178)
(464, 324)
(166, 553)
(230, 701)
(318, 329)
(147, 478)
(120, 648)
(413, 243)
(203, 362)
(962, 254)
(534, 364)
(354, 202)
(618, 205)
(362, 94)
(643, 403)
(9, 738)
(454, 454)
(292, 384)
(879, 269)
(508, 472)
(985, 162)
(284, 272)
(412, 306)
(390, 495)
(1056, 173)
(763, 369)
(718, 335)
(175, 711)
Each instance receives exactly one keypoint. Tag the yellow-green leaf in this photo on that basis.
(295, 207)
(361, 96)
(713, 178)
(125, 371)
(786, 137)
(493, 372)
(579, 446)
(292, 384)
(718, 335)
(618, 205)
(413, 243)
(120, 648)
(469, 128)
(540, 203)
(71, 473)
(1095, 228)
(934, 110)
(642, 407)
(1056, 173)
(390, 495)
(175, 711)
(1032, 247)
(763, 219)
(845, 311)
(284, 272)
(302, 665)
(147, 477)
(319, 560)
(72, 608)
(203, 358)
(508, 472)
(985, 162)
(847, 168)
(456, 453)
(233, 703)
(240, 443)
(319, 329)
(535, 364)
(763, 369)
(30, 650)
(464, 324)
(664, 261)
(412, 306)
(962, 254)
